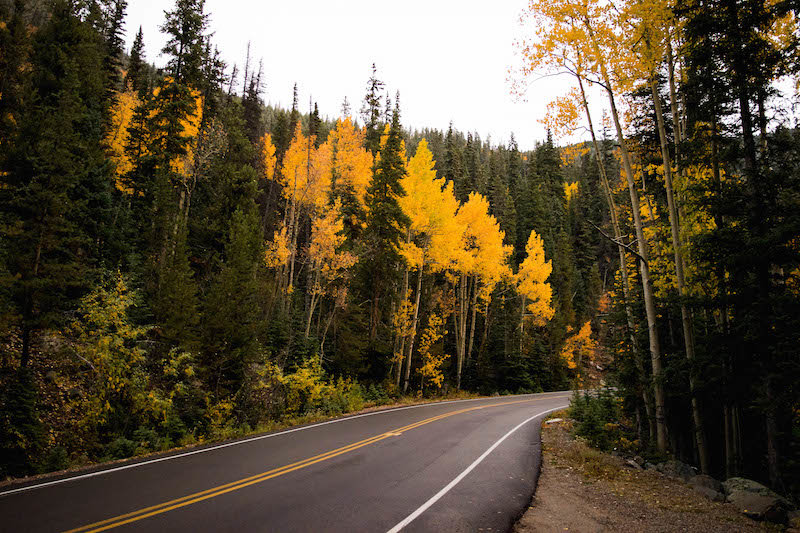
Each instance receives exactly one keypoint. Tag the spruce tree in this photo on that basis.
(384, 220)
(136, 78)
(371, 112)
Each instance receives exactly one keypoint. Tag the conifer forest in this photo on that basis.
(182, 263)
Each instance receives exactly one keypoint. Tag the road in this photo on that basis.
(466, 465)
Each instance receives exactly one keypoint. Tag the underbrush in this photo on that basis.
(599, 419)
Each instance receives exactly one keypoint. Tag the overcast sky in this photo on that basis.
(448, 58)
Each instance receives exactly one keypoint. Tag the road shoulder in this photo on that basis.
(581, 489)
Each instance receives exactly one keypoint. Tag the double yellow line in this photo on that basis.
(147, 512)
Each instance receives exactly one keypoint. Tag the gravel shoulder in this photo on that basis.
(582, 489)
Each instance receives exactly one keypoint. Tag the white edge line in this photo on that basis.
(424, 507)
(244, 441)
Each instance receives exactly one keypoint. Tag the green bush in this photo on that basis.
(598, 415)
(57, 459)
(121, 448)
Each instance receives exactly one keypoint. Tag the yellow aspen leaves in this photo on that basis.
(327, 258)
(570, 190)
(117, 137)
(562, 114)
(277, 253)
(268, 158)
(579, 347)
(306, 171)
(431, 369)
(352, 164)
(482, 253)
(430, 205)
(532, 281)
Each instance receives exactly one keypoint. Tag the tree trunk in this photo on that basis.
(401, 352)
(644, 269)
(474, 314)
(407, 375)
(623, 265)
(686, 317)
(461, 328)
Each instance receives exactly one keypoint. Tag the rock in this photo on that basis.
(677, 469)
(708, 482)
(633, 464)
(650, 466)
(639, 460)
(759, 507)
(756, 501)
(734, 484)
(709, 493)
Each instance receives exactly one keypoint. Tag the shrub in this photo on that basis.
(598, 416)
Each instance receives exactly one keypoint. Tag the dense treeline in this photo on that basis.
(705, 308)
(180, 262)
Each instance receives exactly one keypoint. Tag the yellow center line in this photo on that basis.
(190, 499)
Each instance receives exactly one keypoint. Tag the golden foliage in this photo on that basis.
(122, 113)
(352, 164)
(430, 205)
(327, 259)
(561, 117)
(431, 369)
(268, 158)
(277, 253)
(532, 281)
(570, 190)
(579, 346)
(482, 253)
(306, 171)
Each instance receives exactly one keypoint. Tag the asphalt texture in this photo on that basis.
(363, 473)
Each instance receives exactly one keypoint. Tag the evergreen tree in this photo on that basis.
(384, 220)
(371, 112)
(137, 78)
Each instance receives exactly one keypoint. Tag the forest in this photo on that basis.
(181, 262)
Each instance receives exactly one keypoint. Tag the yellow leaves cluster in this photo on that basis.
(532, 280)
(561, 117)
(105, 341)
(579, 346)
(352, 164)
(431, 369)
(277, 253)
(117, 137)
(482, 252)
(306, 171)
(325, 252)
(570, 190)
(268, 157)
(430, 205)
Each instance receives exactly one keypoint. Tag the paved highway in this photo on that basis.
(466, 465)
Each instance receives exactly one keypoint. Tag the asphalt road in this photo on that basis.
(452, 466)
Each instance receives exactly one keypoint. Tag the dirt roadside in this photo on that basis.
(583, 490)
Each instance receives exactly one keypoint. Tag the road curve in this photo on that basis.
(467, 465)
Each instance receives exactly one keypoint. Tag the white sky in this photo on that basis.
(448, 58)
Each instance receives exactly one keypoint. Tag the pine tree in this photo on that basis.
(233, 318)
(55, 192)
(137, 78)
(384, 219)
(371, 112)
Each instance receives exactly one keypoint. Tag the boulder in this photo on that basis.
(756, 501)
(676, 469)
(639, 460)
(758, 507)
(708, 482)
(633, 464)
(709, 493)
